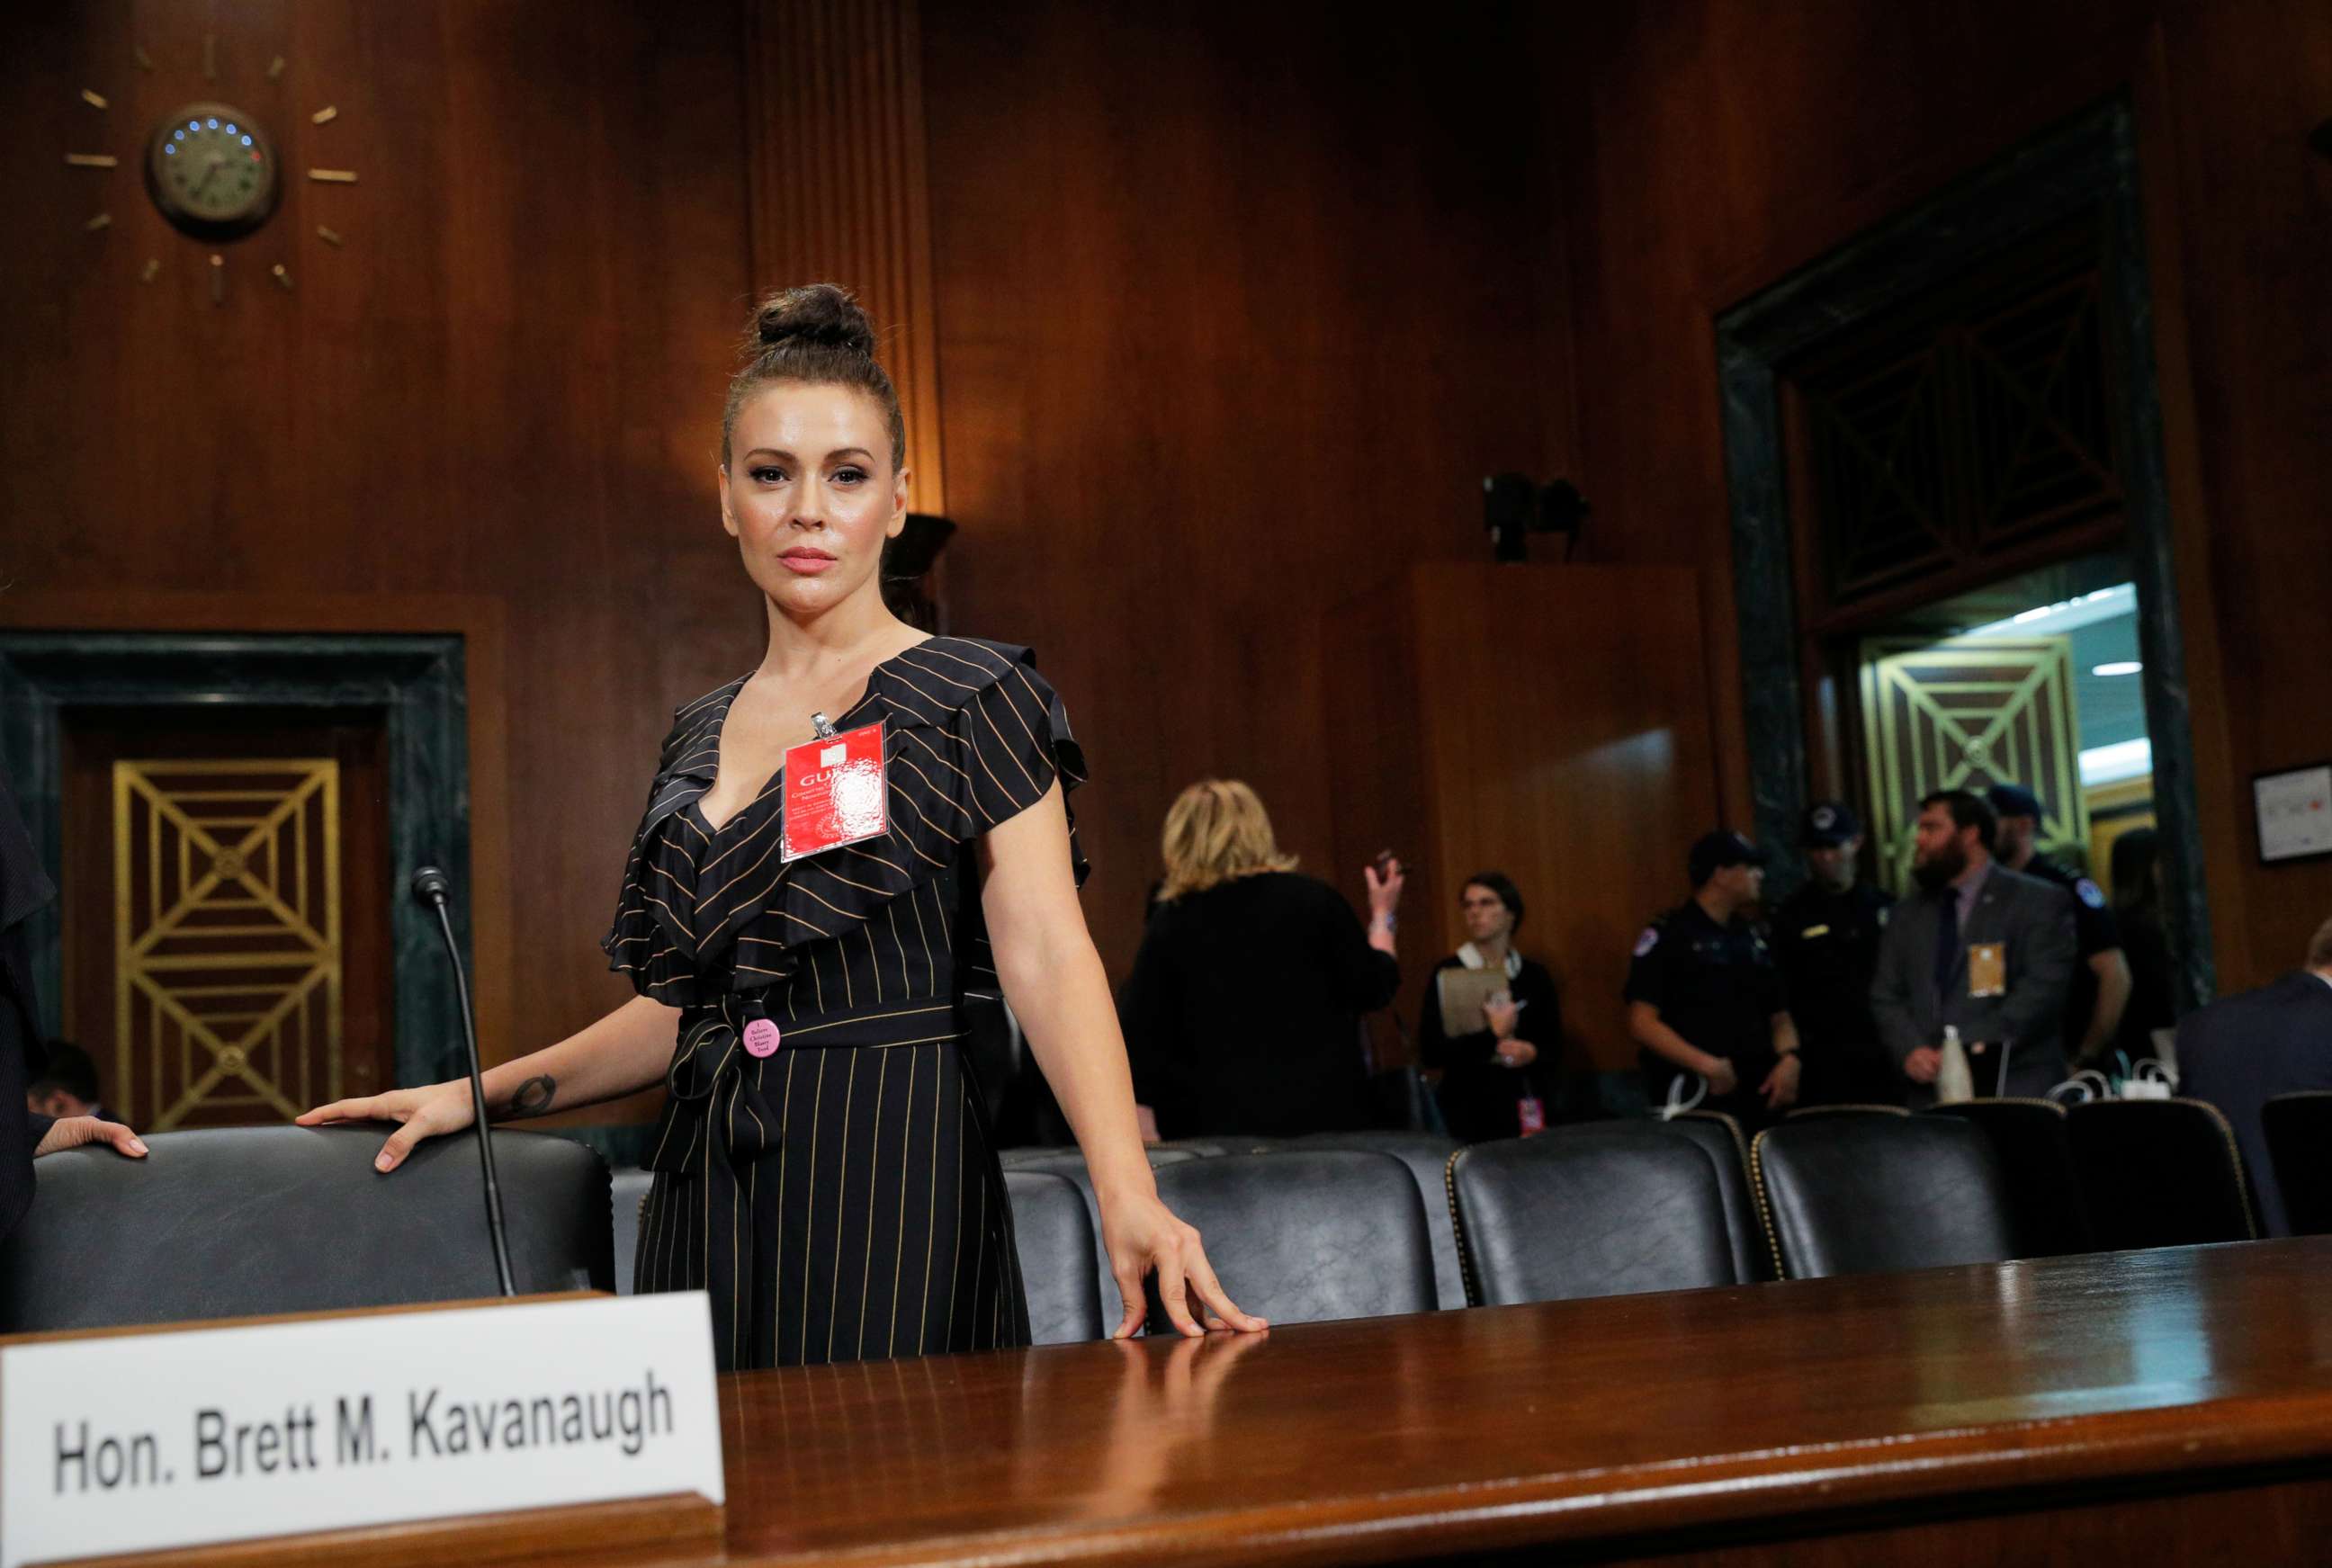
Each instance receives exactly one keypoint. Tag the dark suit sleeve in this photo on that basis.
(1542, 1021)
(2034, 1008)
(1891, 996)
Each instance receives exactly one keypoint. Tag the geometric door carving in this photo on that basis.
(1968, 713)
(227, 958)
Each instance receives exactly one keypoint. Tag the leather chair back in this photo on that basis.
(1070, 1163)
(1874, 1194)
(1426, 1155)
(1599, 1209)
(242, 1221)
(1207, 1148)
(2030, 1139)
(1720, 1137)
(2159, 1173)
(1305, 1234)
(1806, 1113)
(629, 1190)
(1055, 1243)
(2299, 1129)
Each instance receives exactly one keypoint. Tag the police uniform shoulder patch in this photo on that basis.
(1649, 940)
(2087, 892)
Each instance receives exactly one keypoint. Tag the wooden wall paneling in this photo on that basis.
(1237, 306)
(838, 191)
(1381, 794)
(501, 392)
(1542, 721)
(1572, 753)
(2254, 211)
(1709, 154)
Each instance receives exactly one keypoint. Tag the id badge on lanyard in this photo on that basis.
(837, 791)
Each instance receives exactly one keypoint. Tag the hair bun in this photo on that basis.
(820, 315)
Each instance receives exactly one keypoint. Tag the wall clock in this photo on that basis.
(214, 173)
(211, 170)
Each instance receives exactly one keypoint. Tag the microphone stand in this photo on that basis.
(430, 889)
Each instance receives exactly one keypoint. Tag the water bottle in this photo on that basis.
(1953, 1081)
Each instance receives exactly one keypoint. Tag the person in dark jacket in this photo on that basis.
(1497, 1080)
(24, 890)
(1826, 936)
(2145, 943)
(2242, 1051)
(1242, 1014)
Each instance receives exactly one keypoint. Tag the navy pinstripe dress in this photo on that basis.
(840, 1199)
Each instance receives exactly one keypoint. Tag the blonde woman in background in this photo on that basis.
(1242, 1014)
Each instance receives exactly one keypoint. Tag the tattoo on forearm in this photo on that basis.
(534, 1096)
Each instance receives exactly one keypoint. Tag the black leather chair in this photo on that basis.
(245, 1221)
(629, 1190)
(2299, 1128)
(2035, 1151)
(1207, 1148)
(1426, 1155)
(1874, 1194)
(1599, 1209)
(1727, 1147)
(1308, 1234)
(2159, 1173)
(1806, 1113)
(1055, 1243)
(1070, 1163)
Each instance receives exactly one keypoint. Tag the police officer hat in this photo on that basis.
(1828, 824)
(1711, 852)
(2013, 800)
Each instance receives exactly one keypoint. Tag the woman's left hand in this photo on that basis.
(72, 1131)
(1142, 1234)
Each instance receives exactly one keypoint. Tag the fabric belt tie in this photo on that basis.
(708, 1073)
(715, 1096)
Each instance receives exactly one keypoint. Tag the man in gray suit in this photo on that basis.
(1983, 949)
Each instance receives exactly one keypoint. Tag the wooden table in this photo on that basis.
(2160, 1406)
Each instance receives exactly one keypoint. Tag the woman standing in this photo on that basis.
(1497, 1079)
(1243, 1011)
(802, 946)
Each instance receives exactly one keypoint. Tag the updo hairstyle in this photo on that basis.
(814, 334)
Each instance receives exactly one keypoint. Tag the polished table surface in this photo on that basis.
(1647, 1419)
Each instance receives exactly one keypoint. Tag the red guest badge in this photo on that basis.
(837, 792)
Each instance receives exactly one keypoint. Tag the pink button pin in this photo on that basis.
(761, 1038)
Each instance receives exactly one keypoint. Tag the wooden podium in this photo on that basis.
(678, 1526)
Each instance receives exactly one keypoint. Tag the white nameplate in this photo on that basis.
(180, 1439)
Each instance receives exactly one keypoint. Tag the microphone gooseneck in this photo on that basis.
(431, 889)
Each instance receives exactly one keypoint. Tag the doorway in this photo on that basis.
(225, 890)
(1947, 423)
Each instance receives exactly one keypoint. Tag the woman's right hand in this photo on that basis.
(1722, 1077)
(1384, 877)
(420, 1113)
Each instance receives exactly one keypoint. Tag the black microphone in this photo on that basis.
(431, 887)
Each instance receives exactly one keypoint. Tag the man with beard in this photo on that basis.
(1981, 949)
(1826, 935)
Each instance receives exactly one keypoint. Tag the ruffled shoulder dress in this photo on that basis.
(839, 1198)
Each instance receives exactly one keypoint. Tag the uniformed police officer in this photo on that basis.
(1705, 995)
(2101, 983)
(1826, 936)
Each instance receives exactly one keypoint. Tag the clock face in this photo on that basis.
(212, 170)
